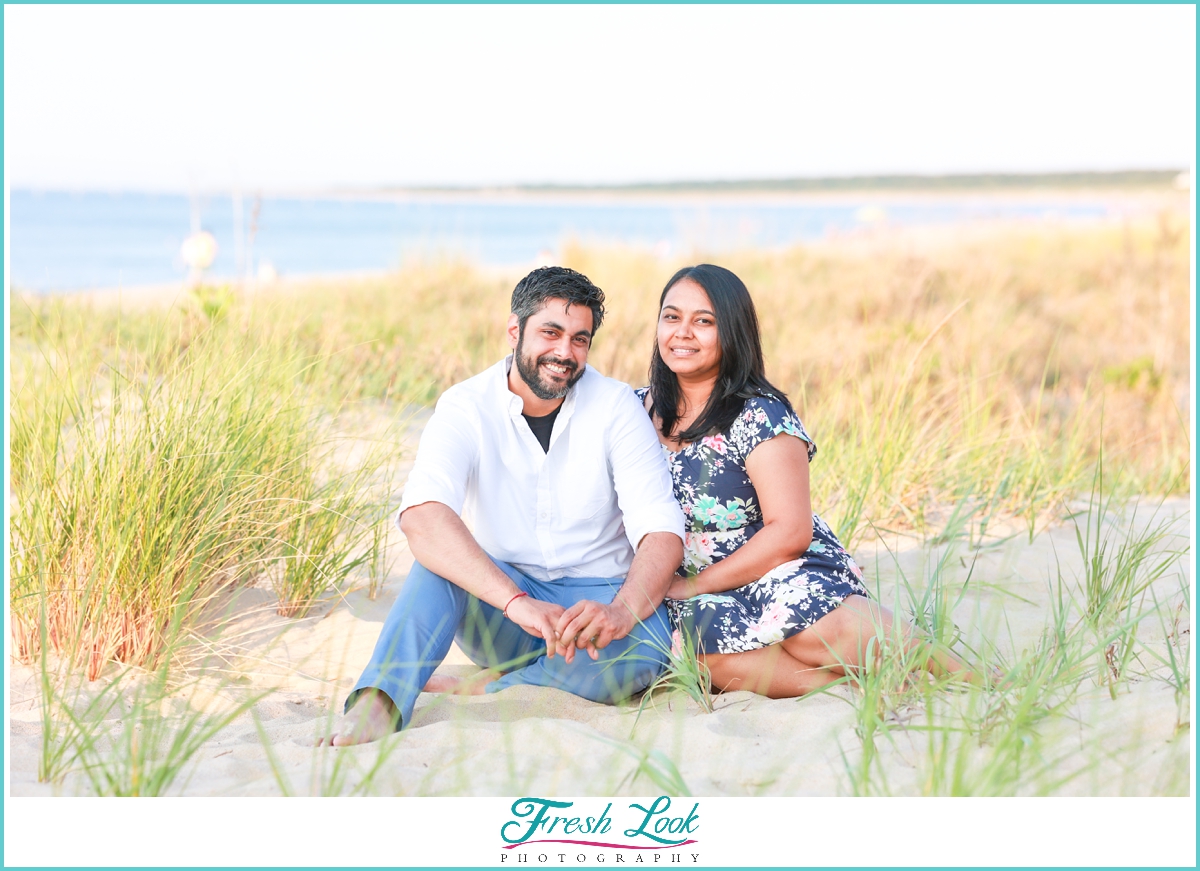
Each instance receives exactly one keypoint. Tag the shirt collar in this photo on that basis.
(515, 405)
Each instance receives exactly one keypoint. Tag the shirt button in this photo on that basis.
(543, 515)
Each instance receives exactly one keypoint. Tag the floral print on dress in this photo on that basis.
(722, 512)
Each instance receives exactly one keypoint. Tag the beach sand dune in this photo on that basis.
(540, 741)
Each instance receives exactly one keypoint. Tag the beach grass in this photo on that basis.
(135, 732)
(146, 482)
(1006, 735)
(964, 389)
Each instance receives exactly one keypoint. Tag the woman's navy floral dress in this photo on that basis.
(722, 513)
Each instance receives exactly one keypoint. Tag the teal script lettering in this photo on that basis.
(656, 822)
(529, 807)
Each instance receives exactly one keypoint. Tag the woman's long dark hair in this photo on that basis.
(742, 374)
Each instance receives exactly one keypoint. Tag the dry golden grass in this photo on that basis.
(986, 369)
(991, 364)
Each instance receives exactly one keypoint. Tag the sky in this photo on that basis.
(311, 97)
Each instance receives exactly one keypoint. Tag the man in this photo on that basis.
(576, 532)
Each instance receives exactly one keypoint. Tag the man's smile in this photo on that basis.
(560, 370)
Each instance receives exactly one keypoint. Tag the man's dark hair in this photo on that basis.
(556, 282)
(742, 373)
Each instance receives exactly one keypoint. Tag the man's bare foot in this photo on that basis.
(373, 717)
(475, 685)
(442, 683)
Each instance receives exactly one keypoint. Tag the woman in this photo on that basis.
(773, 600)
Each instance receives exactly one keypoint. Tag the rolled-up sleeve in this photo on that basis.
(446, 457)
(640, 474)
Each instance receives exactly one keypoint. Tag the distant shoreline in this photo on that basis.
(1141, 196)
(866, 184)
(1136, 183)
(168, 293)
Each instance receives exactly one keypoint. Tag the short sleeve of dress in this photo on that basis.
(762, 418)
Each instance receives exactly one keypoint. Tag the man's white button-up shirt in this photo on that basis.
(578, 510)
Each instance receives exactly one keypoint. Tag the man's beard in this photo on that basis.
(530, 372)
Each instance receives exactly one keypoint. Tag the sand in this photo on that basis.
(540, 741)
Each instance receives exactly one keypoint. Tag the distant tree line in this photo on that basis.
(1143, 178)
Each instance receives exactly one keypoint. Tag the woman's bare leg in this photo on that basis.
(769, 671)
(842, 635)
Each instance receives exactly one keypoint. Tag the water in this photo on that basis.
(71, 241)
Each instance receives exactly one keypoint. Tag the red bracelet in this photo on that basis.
(510, 601)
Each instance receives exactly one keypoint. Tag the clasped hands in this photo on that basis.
(586, 625)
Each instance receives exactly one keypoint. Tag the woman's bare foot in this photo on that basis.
(373, 717)
(475, 685)
(998, 679)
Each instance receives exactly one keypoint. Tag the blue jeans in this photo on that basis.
(431, 611)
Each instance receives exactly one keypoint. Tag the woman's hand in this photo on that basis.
(682, 588)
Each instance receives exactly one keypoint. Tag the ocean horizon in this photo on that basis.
(63, 241)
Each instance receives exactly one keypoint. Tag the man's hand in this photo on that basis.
(682, 588)
(537, 618)
(590, 626)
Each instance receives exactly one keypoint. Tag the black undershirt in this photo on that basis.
(542, 427)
